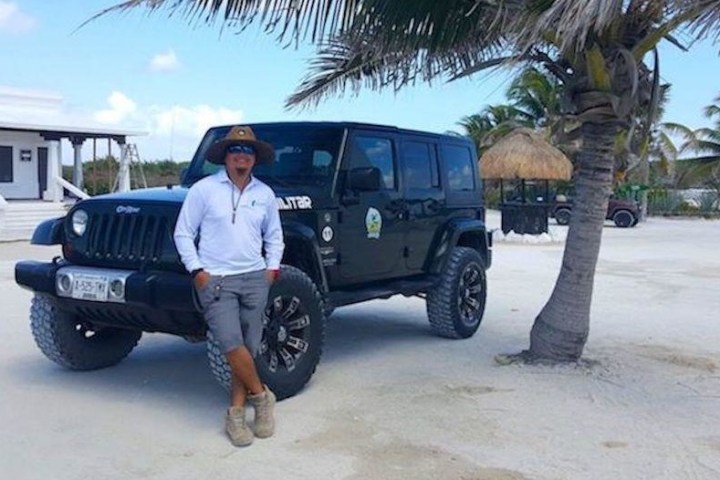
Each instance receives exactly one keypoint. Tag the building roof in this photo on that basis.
(65, 131)
(523, 154)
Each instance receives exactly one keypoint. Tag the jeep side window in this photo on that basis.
(374, 152)
(458, 164)
(420, 169)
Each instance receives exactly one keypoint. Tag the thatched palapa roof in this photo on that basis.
(523, 154)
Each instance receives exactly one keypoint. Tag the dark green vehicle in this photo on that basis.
(368, 212)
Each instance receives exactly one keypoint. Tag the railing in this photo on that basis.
(71, 188)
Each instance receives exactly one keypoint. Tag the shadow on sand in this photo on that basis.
(168, 369)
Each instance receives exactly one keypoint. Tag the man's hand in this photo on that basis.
(201, 280)
(272, 275)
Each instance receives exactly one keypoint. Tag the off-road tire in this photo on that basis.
(74, 344)
(562, 216)
(624, 219)
(292, 284)
(445, 300)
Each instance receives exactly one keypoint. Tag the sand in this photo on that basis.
(391, 401)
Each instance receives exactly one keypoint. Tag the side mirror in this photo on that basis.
(183, 172)
(366, 179)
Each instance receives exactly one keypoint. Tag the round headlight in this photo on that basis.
(79, 222)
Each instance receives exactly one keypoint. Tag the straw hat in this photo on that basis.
(523, 154)
(240, 135)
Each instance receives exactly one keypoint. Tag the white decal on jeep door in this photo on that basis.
(300, 202)
(373, 223)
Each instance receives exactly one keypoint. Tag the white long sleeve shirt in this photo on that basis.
(228, 248)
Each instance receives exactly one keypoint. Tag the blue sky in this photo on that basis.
(174, 80)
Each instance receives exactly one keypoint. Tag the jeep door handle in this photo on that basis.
(432, 205)
(398, 208)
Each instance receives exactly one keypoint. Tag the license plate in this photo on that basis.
(90, 287)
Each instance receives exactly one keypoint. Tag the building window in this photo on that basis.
(6, 164)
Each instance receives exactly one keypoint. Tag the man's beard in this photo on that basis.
(240, 171)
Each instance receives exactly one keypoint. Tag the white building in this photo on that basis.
(32, 136)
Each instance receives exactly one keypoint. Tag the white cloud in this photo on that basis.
(173, 131)
(176, 131)
(13, 20)
(164, 62)
(121, 107)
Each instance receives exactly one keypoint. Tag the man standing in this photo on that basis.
(237, 216)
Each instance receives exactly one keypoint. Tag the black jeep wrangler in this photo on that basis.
(368, 212)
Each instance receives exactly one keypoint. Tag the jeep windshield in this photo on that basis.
(305, 155)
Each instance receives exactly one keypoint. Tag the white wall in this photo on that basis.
(25, 174)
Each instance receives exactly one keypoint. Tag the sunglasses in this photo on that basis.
(241, 149)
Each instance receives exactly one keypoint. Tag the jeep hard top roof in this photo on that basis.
(357, 125)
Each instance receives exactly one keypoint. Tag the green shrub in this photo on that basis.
(707, 202)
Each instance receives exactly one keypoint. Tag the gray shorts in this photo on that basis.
(234, 306)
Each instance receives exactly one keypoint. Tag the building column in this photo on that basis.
(124, 172)
(54, 192)
(77, 165)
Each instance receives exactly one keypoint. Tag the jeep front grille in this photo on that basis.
(134, 238)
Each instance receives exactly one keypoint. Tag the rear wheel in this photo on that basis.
(74, 343)
(624, 219)
(562, 216)
(456, 305)
(292, 340)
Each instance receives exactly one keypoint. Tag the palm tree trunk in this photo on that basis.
(561, 329)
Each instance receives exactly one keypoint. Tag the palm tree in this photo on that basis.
(705, 143)
(493, 123)
(534, 103)
(597, 48)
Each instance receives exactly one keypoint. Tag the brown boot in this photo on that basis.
(236, 428)
(264, 404)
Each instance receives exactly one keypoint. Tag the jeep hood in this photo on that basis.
(289, 198)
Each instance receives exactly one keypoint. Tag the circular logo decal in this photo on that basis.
(327, 233)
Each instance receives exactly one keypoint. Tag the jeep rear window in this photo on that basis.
(458, 164)
(304, 154)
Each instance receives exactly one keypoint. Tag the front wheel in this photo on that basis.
(456, 305)
(292, 340)
(73, 343)
(624, 219)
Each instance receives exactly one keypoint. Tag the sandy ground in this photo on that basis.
(391, 401)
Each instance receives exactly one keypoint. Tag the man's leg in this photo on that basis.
(244, 376)
(222, 313)
(252, 305)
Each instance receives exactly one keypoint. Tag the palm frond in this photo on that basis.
(573, 22)
(707, 21)
(292, 18)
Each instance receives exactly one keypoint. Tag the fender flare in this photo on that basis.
(296, 233)
(49, 232)
(463, 232)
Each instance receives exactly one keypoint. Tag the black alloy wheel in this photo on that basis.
(456, 304)
(471, 295)
(286, 333)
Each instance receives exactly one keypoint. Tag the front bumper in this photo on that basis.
(156, 290)
(152, 302)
